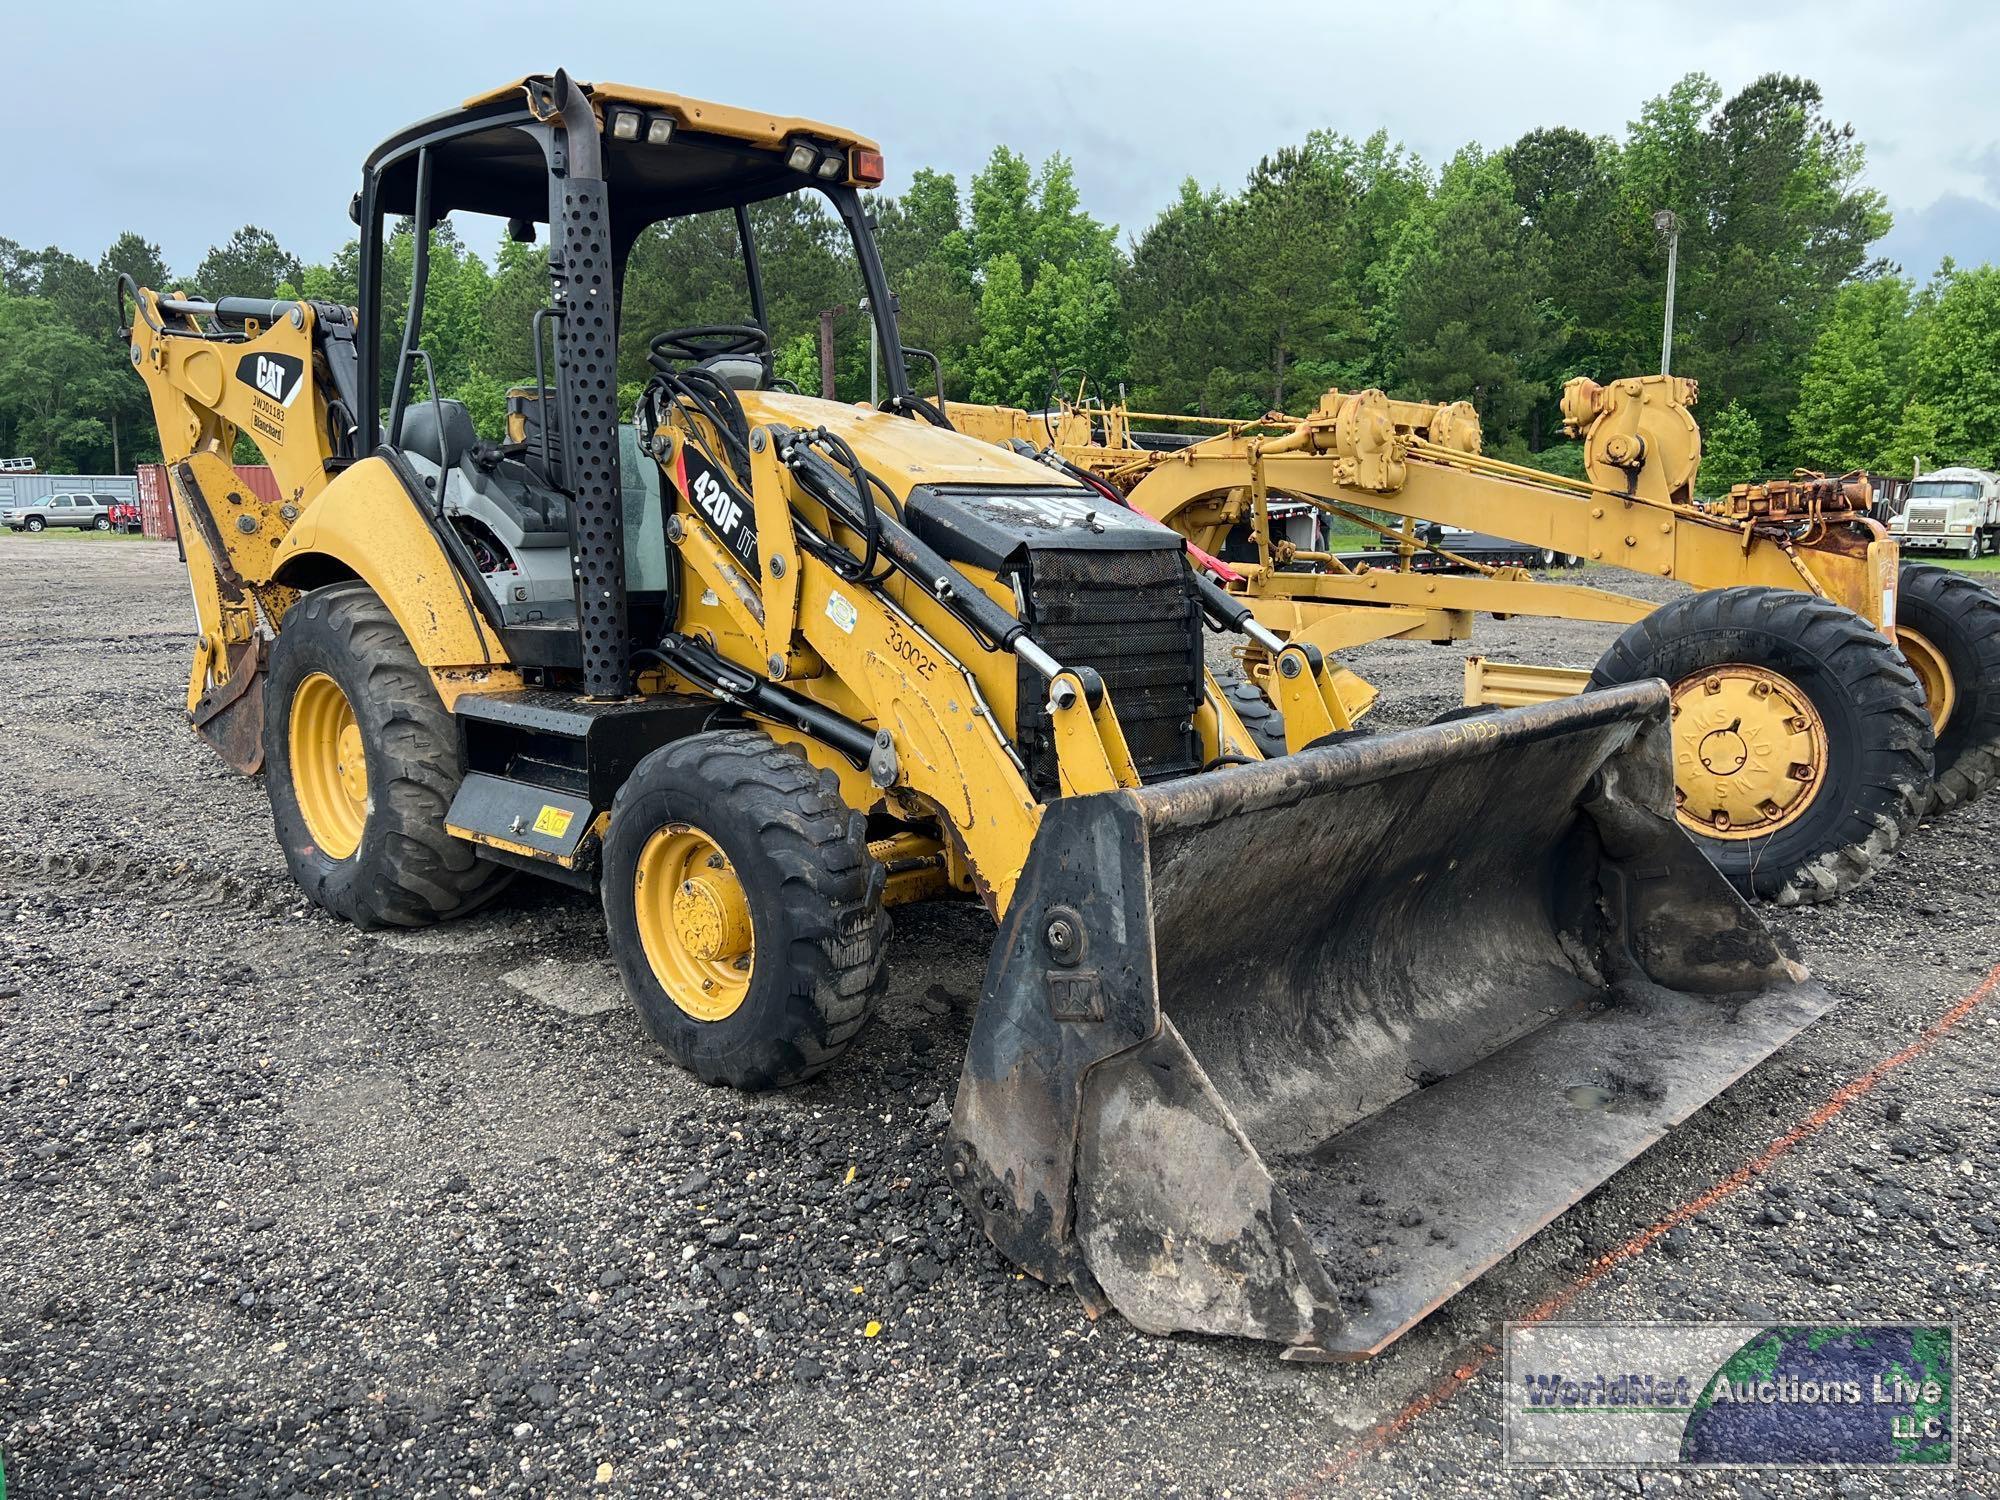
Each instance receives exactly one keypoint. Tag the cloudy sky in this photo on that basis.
(230, 113)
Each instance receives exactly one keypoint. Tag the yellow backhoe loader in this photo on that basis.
(1803, 738)
(1291, 1049)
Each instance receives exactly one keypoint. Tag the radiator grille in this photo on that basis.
(1133, 616)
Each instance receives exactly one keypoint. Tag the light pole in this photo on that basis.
(1667, 224)
(874, 354)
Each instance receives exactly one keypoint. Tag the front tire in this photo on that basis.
(1262, 718)
(36, 523)
(744, 910)
(361, 763)
(1802, 751)
(1948, 626)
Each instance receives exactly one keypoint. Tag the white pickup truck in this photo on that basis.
(1951, 510)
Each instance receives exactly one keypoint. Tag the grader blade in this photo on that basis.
(1296, 1050)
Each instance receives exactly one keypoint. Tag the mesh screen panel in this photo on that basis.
(1134, 618)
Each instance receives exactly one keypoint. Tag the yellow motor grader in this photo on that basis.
(1262, 1044)
(1813, 678)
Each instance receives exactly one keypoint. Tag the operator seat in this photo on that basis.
(741, 372)
(423, 436)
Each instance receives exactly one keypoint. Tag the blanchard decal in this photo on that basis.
(717, 501)
(275, 377)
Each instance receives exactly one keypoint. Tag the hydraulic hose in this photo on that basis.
(734, 684)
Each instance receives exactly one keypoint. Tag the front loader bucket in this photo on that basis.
(1296, 1050)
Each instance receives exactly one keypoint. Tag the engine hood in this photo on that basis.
(975, 502)
(900, 451)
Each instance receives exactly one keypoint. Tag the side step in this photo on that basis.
(543, 766)
(531, 824)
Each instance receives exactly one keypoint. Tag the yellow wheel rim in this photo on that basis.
(694, 922)
(1750, 752)
(329, 767)
(1933, 671)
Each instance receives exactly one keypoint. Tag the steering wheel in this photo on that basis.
(693, 345)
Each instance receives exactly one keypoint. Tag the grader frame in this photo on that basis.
(1790, 675)
(1358, 451)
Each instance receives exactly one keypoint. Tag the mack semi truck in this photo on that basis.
(1951, 510)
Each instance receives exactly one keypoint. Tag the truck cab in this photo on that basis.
(1951, 510)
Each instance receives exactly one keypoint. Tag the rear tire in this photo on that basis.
(1874, 735)
(1262, 718)
(796, 860)
(102, 523)
(1958, 620)
(403, 870)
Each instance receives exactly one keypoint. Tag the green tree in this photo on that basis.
(1048, 275)
(1955, 372)
(1003, 214)
(927, 256)
(1176, 308)
(1568, 187)
(127, 411)
(516, 291)
(1282, 251)
(1773, 221)
(1732, 450)
(1390, 189)
(1469, 305)
(250, 263)
(1006, 365)
(55, 385)
(1917, 442)
(137, 257)
(1855, 383)
(17, 269)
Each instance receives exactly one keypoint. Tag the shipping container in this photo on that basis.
(156, 507)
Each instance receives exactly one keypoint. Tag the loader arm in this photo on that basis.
(889, 656)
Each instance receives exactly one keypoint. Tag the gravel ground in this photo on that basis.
(297, 1209)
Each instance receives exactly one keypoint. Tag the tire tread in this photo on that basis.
(829, 886)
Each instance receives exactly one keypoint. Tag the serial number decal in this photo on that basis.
(910, 651)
